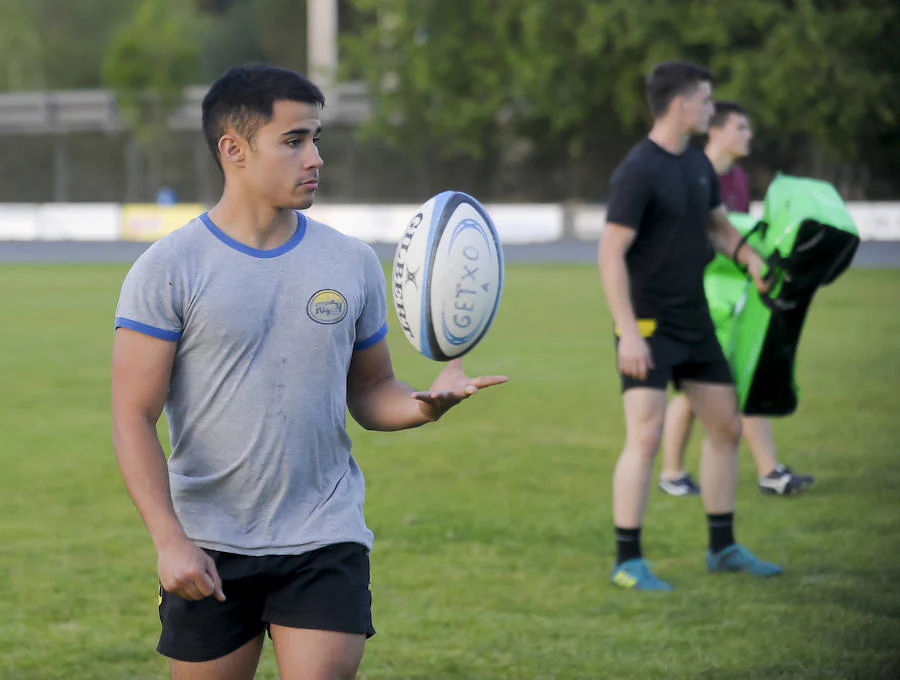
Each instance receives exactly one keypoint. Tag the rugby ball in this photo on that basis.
(447, 276)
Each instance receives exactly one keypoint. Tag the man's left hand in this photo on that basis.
(450, 387)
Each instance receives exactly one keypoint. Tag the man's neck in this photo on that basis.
(721, 161)
(252, 223)
(670, 135)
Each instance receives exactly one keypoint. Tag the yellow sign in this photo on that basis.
(149, 222)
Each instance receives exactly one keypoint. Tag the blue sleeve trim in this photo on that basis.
(162, 334)
(373, 339)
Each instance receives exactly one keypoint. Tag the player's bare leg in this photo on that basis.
(716, 406)
(305, 654)
(676, 434)
(239, 665)
(644, 413)
(758, 433)
(645, 410)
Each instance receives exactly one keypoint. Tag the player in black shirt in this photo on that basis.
(663, 213)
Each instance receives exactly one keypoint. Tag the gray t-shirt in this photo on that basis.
(260, 461)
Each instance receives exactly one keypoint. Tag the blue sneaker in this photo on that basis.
(636, 574)
(738, 558)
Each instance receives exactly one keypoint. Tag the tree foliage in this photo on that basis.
(438, 70)
(457, 73)
(56, 44)
(150, 61)
(241, 31)
(553, 82)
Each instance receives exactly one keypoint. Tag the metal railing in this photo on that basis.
(97, 110)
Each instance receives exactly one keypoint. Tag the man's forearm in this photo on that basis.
(387, 406)
(145, 471)
(726, 241)
(616, 288)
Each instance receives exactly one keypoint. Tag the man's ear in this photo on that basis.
(231, 150)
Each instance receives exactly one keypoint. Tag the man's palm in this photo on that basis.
(451, 386)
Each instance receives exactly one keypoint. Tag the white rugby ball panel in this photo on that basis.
(407, 278)
(465, 278)
(447, 276)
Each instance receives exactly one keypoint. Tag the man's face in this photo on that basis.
(283, 161)
(735, 135)
(697, 108)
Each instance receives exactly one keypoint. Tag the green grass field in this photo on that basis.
(493, 527)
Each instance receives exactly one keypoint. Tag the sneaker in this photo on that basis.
(738, 558)
(636, 574)
(783, 481)
(682, 486)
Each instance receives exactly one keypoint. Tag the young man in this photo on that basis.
(663, 212)
(728, 140)
(257, 329)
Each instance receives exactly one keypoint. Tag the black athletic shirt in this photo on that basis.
(666, 198)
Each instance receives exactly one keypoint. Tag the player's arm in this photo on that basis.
(628, 201)
(633, 353)
(141, 370)
(614, 244)
(377, 400)
(728, 240)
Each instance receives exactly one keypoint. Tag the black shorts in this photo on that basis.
(675, 361)
(326, 589)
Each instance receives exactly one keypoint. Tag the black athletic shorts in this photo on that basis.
(327, 589)
(675, 361)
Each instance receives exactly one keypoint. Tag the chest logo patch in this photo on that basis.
(327, 307)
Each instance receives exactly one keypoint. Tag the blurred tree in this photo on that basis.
(469, 75)
(439, 76)
(439, 71)
(242, 31)
(213, 6)
(56, 44)
(61, 44)
(21, 49)
(148, 64)
(233, 38)
(282, 30)
(150, 61)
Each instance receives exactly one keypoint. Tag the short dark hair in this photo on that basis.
(723, 111)
(244, 99)
(671, 79)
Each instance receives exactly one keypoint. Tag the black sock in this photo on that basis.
(721, 531)
(628, 544)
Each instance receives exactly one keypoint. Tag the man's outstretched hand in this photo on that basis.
(450, 387)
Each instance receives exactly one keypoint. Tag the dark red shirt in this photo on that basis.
(734, 189)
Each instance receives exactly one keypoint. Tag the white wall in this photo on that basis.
(516, 223)
(874, 221)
